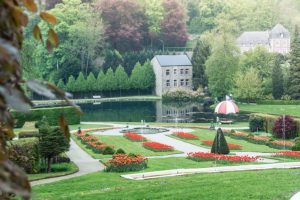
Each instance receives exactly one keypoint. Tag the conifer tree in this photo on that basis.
(148, 76)
(220, 145)
(121, 79)
(61, 85)
(80, 84)
(294, 89)
(277, 79)
(91, 84)
(100, 81)
(110, 80)
(200, 54)
(135, 78)
(71, 84)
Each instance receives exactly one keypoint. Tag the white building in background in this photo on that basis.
(275, 40)
(172, 71)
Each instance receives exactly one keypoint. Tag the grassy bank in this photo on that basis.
(293, 110)
(268, 184)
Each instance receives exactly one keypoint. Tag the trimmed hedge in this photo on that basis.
(278, 102)
(269, 121)
(28, 130)
(52, 114)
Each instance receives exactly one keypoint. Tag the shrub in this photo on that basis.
(183, 94)
(126, 163)
(284, 122)
(60, 159)
(239, 136)
(52, 115)
(256, 124)
(108, 151)
(296, 147)
(26, 155)
(131, 155)
(220, 145)
(120, 151)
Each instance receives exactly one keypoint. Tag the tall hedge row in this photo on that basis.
(52, 114)
(269, 121)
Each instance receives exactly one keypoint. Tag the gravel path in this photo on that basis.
(84, 161)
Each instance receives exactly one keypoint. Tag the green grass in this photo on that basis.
(293, 110)
(210, 135)
(86, 126)
(266, 184)
(121, 142)
(59, 169)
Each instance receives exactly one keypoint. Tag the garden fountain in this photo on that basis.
(144, 129)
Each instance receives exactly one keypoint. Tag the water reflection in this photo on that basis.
(152, 111)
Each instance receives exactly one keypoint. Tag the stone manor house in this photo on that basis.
(172, 71)
(275, 40)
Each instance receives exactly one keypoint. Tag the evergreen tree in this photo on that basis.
(51, 79)
(61, 85)
(149, 76)
(295, 66)
(80, 84)
(112, 60)
(100, 81)
(135, 78)
(71, 84)
(220, 145)
(110, 82)
(91, 83)
(52, 143)
(277, 79)
(200, 54)
(121, 79)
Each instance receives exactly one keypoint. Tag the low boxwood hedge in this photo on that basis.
(52, 114)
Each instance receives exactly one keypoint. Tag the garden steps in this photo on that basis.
(180, 172)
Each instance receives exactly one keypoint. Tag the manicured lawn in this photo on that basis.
(86, 126)
(121, 142)
(59, 169)
(293, 110)
(268, 184)
(210, 135)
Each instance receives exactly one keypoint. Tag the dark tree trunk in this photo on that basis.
(49, 165)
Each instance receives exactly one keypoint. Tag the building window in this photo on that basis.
(186, 71)
(167, 72)
(182, 82)
(187, 82)
(277, 43)
(181, 71)
(175, 71)
(168, 83)
(175, 83)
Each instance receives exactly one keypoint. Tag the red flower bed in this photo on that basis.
(125, 163)
(230, 146)
(134, 137)
(281, 144)
(185, 135)
(155, 146)
(223, 159)
(288, 154)
(258, 139)
(89, 138)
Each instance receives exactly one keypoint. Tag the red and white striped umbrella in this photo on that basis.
(226, 107)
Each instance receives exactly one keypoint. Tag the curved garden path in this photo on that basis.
(84, 161)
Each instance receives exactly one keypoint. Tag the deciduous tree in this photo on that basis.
(173, 27)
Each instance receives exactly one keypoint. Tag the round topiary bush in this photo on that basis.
(220, 145)
(120, 151)
(108, 151)
(256, 124)
(296, 147)
(284, 122)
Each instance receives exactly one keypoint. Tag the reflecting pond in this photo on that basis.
(153, 111)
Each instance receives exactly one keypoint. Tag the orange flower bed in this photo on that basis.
(125, 163)
(239, 135)
(259, 139)
(281, 144)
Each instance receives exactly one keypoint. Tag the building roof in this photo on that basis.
(254, 38)
(279, 32)
(173, 60)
